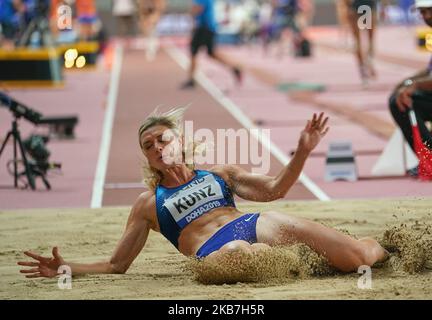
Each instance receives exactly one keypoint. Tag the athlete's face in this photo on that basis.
(427, 15)
(161, 146)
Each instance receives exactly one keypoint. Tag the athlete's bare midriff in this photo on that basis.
(194, 235)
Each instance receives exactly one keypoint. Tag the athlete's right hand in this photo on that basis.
(43, 266)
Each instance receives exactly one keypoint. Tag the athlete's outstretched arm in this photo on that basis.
(129, 246)
(265, 188)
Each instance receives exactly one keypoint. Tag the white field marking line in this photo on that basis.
(125, 185)
(235, 111)
(98, 184)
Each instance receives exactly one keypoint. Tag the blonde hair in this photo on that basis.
(173, 120)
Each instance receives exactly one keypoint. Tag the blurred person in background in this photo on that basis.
(342, 12)
(150, 12)
(415, 93)
(250, 24)
(30, 9)
(305, 14)
(265, 24)
(358, 16)
(232, 18)
(34, 29)
(11, 13)
(285, 19)
(204, 35)
(87, 17)
(124, 11)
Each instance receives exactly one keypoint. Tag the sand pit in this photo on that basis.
(159, 272)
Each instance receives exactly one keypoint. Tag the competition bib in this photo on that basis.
(197, 198)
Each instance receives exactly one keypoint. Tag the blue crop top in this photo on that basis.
(179, 206)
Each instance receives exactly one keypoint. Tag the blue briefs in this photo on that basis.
(243, 228)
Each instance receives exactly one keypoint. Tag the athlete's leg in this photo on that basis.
(221, 59)
(342, 251)
(195, 43)
(353, 17)
(371, 47)
(209, 41)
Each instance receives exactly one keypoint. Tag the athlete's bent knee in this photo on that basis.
(236, 246)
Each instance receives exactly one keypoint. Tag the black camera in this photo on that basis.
(62, 127)
(19, 109)
(35, 146)
(38, 164)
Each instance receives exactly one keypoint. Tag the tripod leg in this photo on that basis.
(15, 164)
(5, 141)
(11, 133)
(41, 174)
(29, 175)
(45, 181)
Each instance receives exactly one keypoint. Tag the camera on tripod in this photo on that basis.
(38, 161)
(33, 150)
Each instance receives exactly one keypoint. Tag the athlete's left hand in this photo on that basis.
(313, 132)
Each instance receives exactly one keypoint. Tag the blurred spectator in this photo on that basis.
(265, 23)
(344, 21)
(415, 93)
(232, 19)
(250, 24)
(124, 11)
(11, 12)
(150, 12)
(285, 14)
(305, 14)
(406, 6)
(34, 8)
(87, 19)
